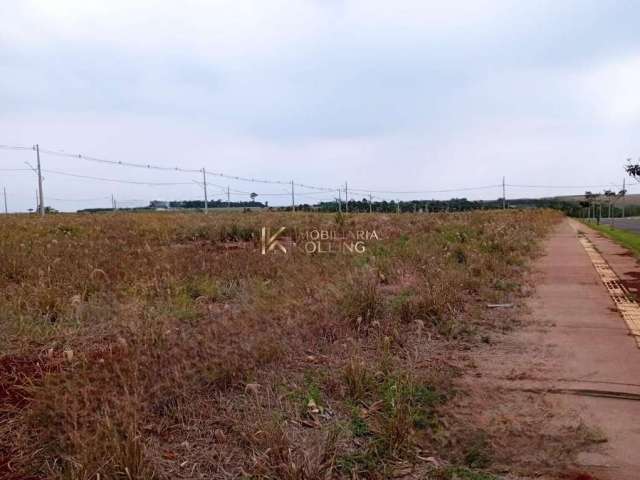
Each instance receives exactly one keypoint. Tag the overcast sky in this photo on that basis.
(387, 95)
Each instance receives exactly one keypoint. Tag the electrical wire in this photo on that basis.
(15, 147)
(78, 199)
(402, 192)
(150, 166)
(133, 182)
(316, 188)
(561, 186)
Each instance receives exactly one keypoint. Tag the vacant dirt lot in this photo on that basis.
(168, 346)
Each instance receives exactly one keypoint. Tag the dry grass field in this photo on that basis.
(165, 345)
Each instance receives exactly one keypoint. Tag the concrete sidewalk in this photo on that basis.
(586, 353)
(572, 364)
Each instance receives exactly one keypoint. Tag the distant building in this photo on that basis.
(159, 204)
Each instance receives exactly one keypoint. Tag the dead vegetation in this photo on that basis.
(144, 346)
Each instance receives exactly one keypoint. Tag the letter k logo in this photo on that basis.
(270, 242)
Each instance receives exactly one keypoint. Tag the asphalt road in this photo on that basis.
(632, 224)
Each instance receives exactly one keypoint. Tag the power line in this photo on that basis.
(120, 201)
(289, 184)
(15, 147)
(270, 194)
(79, 199)
(150, 166)
(562, 186)
(414, 192)
(103, 179)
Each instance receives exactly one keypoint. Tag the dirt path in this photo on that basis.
(577, 354)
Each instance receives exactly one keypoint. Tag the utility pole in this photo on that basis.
(398, 206)
(228, 197)
(339, 201)
(504, 195)
(346, 198)
(293, 198)
(370, 204)
(40, 194)
(204, 184)
(113, 203)
(623, 195)
(599, 212)
(6, 210)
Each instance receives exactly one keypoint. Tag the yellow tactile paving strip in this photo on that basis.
(627, 306)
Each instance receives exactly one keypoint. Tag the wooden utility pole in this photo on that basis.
(370, 204)
(40, 194)
(293, 198)
(599, 212)
(504, 195)
(623, 194)
(6, 210)
(346, 198)
(204, 186)
(228, 197)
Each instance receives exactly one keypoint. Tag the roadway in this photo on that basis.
(631, 224)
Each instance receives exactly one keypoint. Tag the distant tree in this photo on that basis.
(253, 196)
(633, 169)
(610, 195)
(592, 198)
(613, 198)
